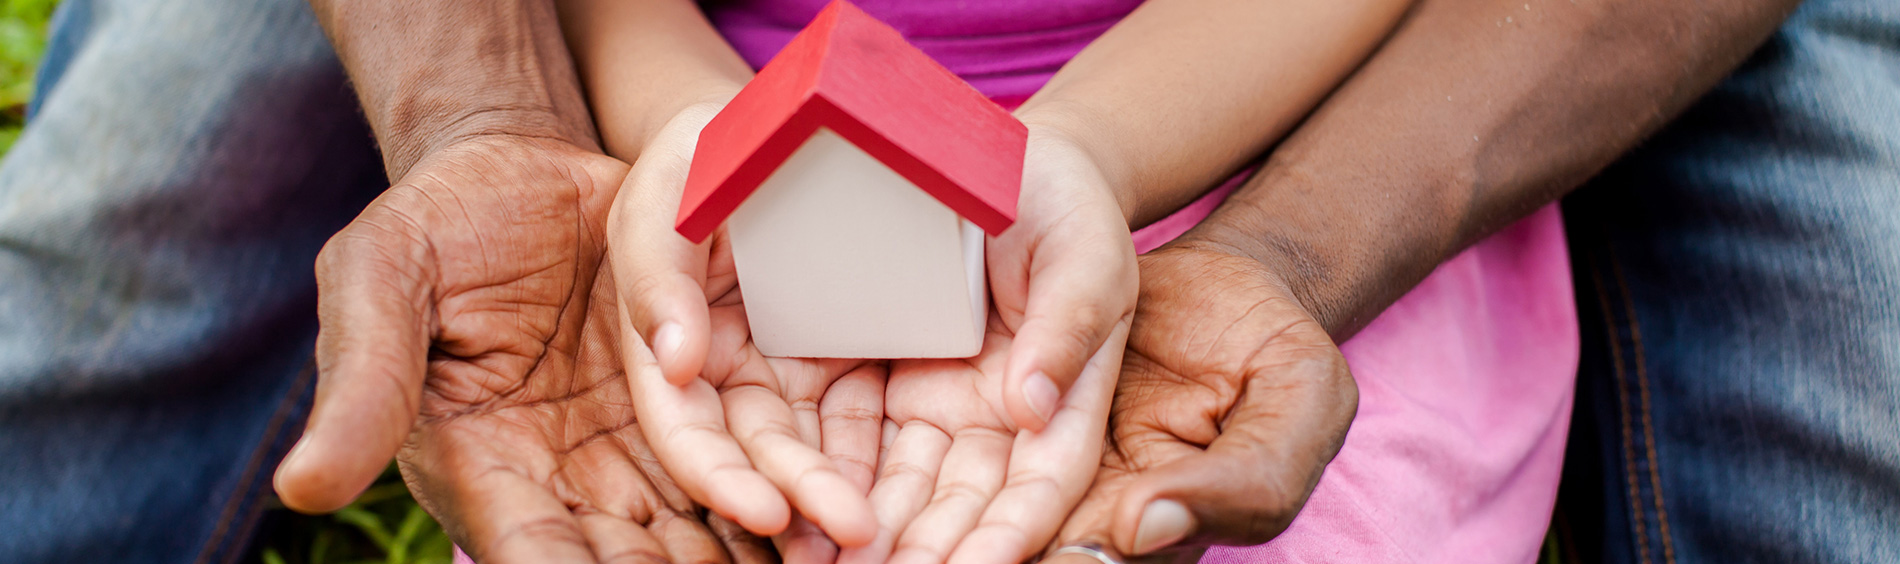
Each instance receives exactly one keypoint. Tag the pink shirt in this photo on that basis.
(1465, 384)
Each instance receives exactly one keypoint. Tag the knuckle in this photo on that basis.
(637, 555)
(905, 470)
(960, 492)
(540, 531)
(690, 432)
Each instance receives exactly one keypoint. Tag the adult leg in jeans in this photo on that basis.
(158, 222)
(1740, 280)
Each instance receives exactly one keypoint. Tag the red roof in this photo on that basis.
(851, 73)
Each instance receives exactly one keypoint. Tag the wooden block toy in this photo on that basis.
(856, 178)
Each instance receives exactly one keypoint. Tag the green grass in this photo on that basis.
(22, 41)
(384, 526)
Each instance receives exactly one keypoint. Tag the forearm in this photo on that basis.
(1472, 115)
(645, 60)
(1182, 93)
(431, 72)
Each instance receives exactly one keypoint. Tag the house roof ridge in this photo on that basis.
(914, 116)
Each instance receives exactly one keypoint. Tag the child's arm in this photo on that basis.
(1183, 93)
(644, 61)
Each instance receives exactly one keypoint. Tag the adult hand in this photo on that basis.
(1232, 400)
(734, 427)
(456, 327)
(978, 468)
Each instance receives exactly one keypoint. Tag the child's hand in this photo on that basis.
(733, 427)
(986, 464)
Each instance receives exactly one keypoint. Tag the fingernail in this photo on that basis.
(666, 341)
(1163, 523)
(1042, 395)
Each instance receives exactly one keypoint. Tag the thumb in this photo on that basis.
(1072, 309)
(372, 353)
(1247, 486)
(661, 278)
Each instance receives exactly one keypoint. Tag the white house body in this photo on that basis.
(840, 257)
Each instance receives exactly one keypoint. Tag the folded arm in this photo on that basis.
(1183, 93)
(645, 61)
(1473, 114)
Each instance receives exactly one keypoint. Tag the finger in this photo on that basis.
(686, 428)
(851, 417)
(902, 488)
(661, 274)
(614, 539)
(1189, 555)
(1048, 470)
(612, 483)
(805, 543)
(766, 429)
(1245, 489)
(687, 540)
(973, 470)
(502, 517)
(372, 354)
(1093, 519)
(1075, 301)
(744, 547)
(1074, 558)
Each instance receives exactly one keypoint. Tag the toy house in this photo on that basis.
(856, 179)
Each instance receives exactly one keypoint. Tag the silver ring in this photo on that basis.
(1088, 549)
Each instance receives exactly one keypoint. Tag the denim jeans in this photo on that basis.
(159, 218)
(1739, 281)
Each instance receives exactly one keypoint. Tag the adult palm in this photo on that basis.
(463, 328)
(1232, 400)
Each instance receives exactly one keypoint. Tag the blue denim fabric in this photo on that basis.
(158, 222)
(1739, 278)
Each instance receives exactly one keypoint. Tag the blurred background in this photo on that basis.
(386, 525)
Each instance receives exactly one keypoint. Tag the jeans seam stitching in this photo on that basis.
(272, 431)
(1649, 431)
(1638, 528)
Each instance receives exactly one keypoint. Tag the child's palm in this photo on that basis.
(733, 427)
(962, 480)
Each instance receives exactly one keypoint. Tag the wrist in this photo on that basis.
(696, 105)
(421, 127)
(430, 73)
(1344, 260)
(1294, 244)
(1075, 128)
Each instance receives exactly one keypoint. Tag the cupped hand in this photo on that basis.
(1231, 402)
(742, 433)
(1062, 278)
(979, 469)
(460, 329)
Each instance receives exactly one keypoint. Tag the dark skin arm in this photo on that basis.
(433, 72)
(1232, 400)
(1464, 122)
(467, 329)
